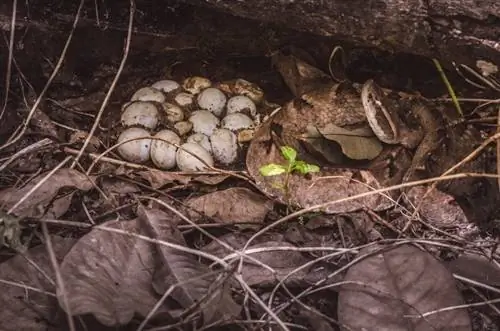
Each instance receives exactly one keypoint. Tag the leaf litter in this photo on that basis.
(138, 267)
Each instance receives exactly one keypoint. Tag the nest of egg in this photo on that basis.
(190, 125)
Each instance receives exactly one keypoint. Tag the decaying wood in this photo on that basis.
(461, 31)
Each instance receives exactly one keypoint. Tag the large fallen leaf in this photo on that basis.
(299, 76)
(357, 144)
(195, 284)
(159, 178)
(476, 267)
(109, 275)
(24, 308)
(438, 208)
(282, 261)
(234, 205)
(390, 289)
(36, 203)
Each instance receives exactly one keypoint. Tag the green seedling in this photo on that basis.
(292, 165)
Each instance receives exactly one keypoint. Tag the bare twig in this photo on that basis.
(40, 183)
(59, 279)
(49, 82)
(28, 149)
(9, 60)
(113, 84)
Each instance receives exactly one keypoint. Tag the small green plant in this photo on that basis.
(292, 165)
(290, 155)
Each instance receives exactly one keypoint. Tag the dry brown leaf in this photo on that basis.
(109, 275)
(390, 286)
(36, 203)
(195, 283)
(234, 205)
(438, 208)
(23, 308)
(159, 178)
(59, 206)
(114, 186)
(317, 322)
(281, 261)
(475, 267)
(357, 144)
(299, 76)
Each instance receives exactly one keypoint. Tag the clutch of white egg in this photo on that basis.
(192, 125)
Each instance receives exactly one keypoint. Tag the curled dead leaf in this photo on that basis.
(357, 144)
(390, 289)
(194, 284)
(35, 204)
(234, 205)
(300, 76)
(438, 208)
(31, 304)
(476, 267)
(109, 275)
(159, 178)
(281, 261)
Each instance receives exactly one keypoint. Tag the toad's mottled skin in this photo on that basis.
(349, 106)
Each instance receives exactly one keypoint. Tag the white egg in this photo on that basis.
(183, 127)
(136, 150)
(251, 90)
(237, 121)
(213, 100)
(184, 99)
(166, 85)
(196, 84)
(173, 112)
(204, 122)
(201, 139)
(143, 113)
(224, 146)
(187, 162)
(148, 94)
(163, 154)
(241, 103)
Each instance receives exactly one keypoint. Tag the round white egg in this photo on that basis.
(148, 94)
(163, 152)
(196, 84)
(166, 85)
(187, 162)
(213, 100)
(224, 146)
(240, 103)
(201, 139)
(237, 121)
(184, 99)
(183, 127)
(173, 112)
(204, 122)
(136, 150)
(143, 113)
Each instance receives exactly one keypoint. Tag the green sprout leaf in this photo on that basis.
(289, 153)
(272, 169)
(305, 168)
